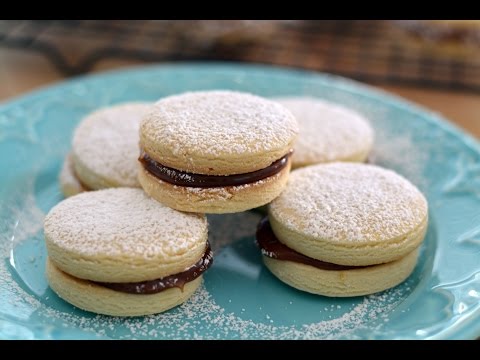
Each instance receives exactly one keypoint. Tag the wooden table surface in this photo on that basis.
(22, 71)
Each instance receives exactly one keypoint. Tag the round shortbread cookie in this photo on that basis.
(328, 132)
(69, 183)
(349, 214)
(98, 299)
(343, 283)
(220, 200)
(105, 146)
(122, 235)
(217, 132)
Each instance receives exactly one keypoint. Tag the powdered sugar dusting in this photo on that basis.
(115, 222)
(349, 202)
(106, 142)
(218, 123)
(176, 175)
(201, 317)
(328, 132)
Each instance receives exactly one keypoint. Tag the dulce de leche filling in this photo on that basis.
(182, 178)
(176, 280)
(273, 248)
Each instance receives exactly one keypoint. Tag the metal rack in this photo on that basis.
(364, 50)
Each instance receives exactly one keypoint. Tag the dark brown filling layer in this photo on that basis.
(177, 280)
(273, 248)
(182, 178)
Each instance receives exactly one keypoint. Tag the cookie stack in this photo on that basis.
(119, 252)
(126, 252)
(344, 229)
(216, 151)
(335, 227)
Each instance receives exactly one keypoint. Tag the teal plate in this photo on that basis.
(239, 297)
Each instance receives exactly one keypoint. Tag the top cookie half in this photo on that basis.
(217, 132)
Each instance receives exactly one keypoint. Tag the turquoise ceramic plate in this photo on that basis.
(240, 298)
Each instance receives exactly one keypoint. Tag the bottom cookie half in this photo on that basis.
(343, 283)
(89, 296)
(218, 200)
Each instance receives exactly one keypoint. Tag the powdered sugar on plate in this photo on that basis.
(202, 318)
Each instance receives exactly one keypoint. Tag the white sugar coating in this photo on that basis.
(349, 202)
(106, 144)
(221, 122)
(122, 221)
(201, 317)
(328, 131)
(228, 131)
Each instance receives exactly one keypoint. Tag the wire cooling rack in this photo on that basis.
(365, 50)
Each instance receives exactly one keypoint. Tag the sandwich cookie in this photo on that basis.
(105, 147)
(344, 229)
(216, 151)
(119, 252)
(328, 132)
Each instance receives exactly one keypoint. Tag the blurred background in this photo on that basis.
(435, 63)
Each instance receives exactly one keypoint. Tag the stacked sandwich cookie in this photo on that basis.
(216, 151)
(119, 252)
(344, 229)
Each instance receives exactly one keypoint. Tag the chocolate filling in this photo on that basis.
(273, 248)
(182, 178)
(176, 280)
